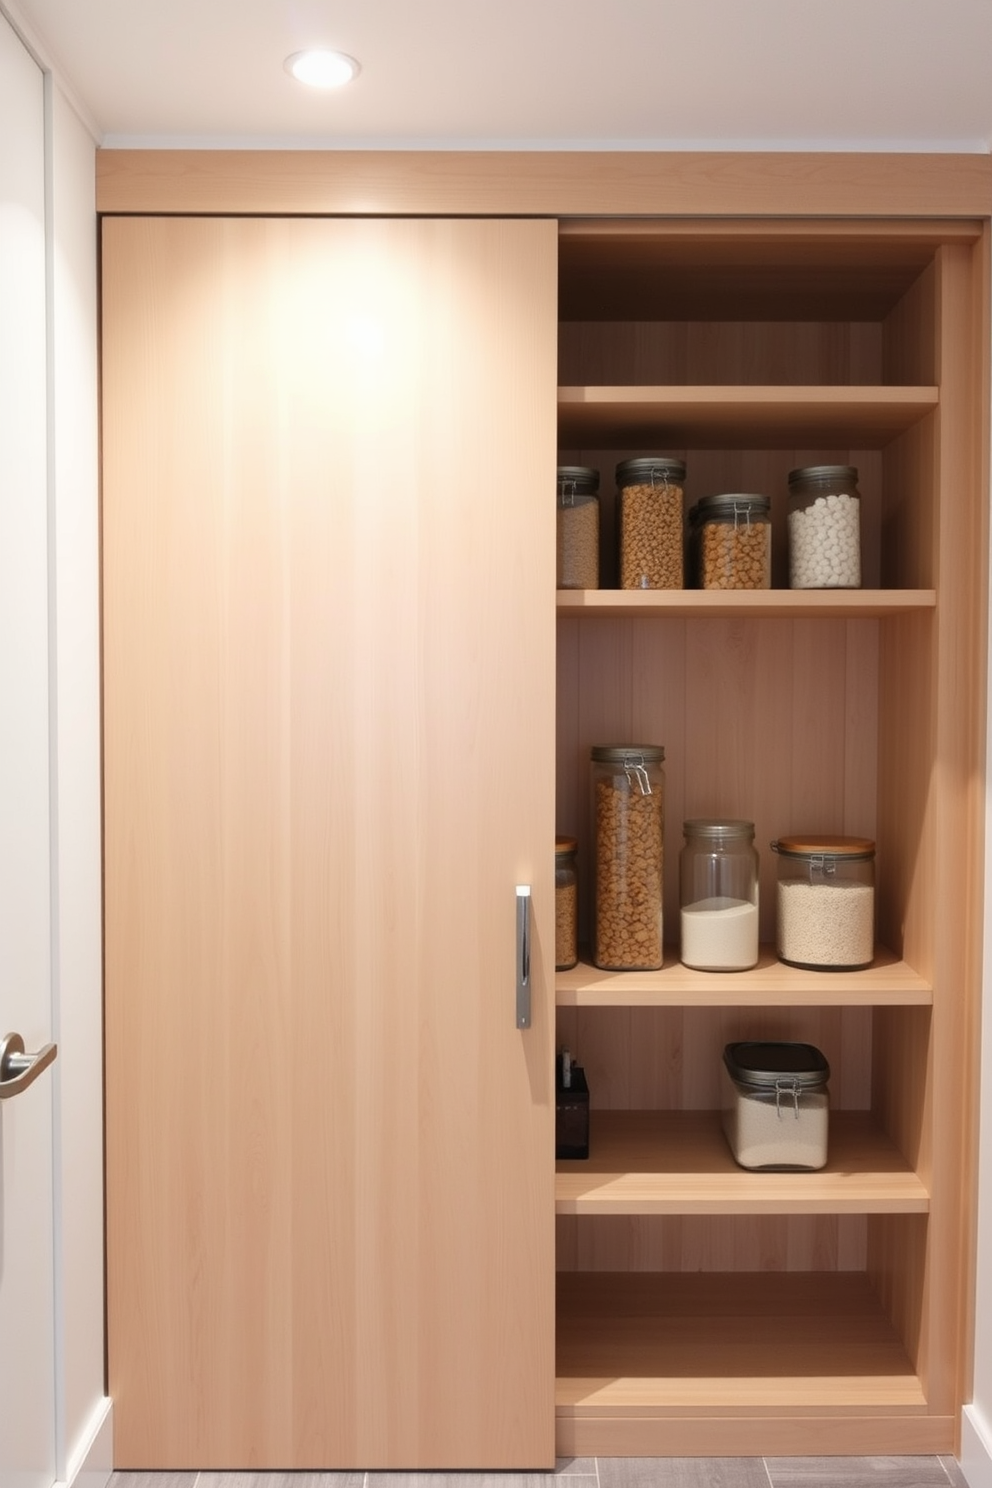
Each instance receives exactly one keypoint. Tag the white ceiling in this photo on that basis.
(815, 74)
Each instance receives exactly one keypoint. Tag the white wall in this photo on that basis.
(83, 1447)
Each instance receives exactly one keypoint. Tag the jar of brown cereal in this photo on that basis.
(628, 811)
(731, 542)
(566, 903)
(650, 493)
(578, 527)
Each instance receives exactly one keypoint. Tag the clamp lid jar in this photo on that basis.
(825, 918)
(650, 505)
(566, 903)
(731, 542)
(776, 1105)
(578, 527)
(628, 810)
(824, 527)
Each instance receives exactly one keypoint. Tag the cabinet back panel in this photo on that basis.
(799, 1242)
(772, 720)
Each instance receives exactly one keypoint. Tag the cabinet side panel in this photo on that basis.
(329, 759)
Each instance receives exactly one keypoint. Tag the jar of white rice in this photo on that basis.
(825, 919)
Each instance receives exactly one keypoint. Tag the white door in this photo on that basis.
(27, 1368)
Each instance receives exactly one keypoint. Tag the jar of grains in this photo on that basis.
(826, 902)
(824, 528)
(650, 498)
(732, 542)
(628, 823)
(566, 903)
(718, 895)
(578, 527)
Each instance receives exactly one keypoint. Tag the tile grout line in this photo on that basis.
(768, 1472)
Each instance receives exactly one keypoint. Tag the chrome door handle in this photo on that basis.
(17, 1069)
(523, 955)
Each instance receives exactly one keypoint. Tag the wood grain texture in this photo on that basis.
(579, 183)
(328, 762)
(644, 1162)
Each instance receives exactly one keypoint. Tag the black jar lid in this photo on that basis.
(766, 1064)
(646, 469)
(726, 503)
(846, 473)
(628, 754)
(577, 480)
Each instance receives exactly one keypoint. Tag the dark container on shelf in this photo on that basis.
(571, 1113)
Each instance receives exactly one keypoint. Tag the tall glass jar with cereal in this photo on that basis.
(578, 527)
(628, 818)
(650, 493)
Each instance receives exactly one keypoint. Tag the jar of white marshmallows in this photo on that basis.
(824, 528)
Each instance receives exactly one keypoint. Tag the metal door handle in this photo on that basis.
(523, 955)
(17, 1069)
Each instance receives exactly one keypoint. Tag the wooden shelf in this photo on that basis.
(888, 982)
(748, 417)
(678, 1162)
(855, 604)
(738, 1343)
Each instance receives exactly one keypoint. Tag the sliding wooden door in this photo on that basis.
(329, 451)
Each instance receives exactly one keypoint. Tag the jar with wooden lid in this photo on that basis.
(824, 527)
(566, 903)
(825, 913)
(718, 895)
(628, 811)
(650, 492)
(731, 542)
(578, 527)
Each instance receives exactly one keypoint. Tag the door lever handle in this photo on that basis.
(19, 1070)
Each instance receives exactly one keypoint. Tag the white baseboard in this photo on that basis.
(91, 1461)
(976, 1448)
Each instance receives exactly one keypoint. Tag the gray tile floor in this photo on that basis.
(607, 1472)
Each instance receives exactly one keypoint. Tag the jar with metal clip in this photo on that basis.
(566, 903)
(731, 542)
(628, 808)
(578, 527)
(824, 527)
(825, 919)
(650, 505)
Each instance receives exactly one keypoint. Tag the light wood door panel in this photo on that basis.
(329, 625)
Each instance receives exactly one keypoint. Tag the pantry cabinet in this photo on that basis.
(822, 1311)
(746, 316)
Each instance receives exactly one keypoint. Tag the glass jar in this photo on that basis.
(566, 903)
(776, 1105)
(718, 895)
(628, 813)
(732, 542)
(578, 527)
(824, 528)
(650, 500)
(825, 918)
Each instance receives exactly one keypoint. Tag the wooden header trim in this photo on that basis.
(539, 183)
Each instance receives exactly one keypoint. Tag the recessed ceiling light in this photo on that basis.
(322, 69)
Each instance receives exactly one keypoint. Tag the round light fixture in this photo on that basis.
(322, 69)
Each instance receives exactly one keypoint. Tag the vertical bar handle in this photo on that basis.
(523, 955)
